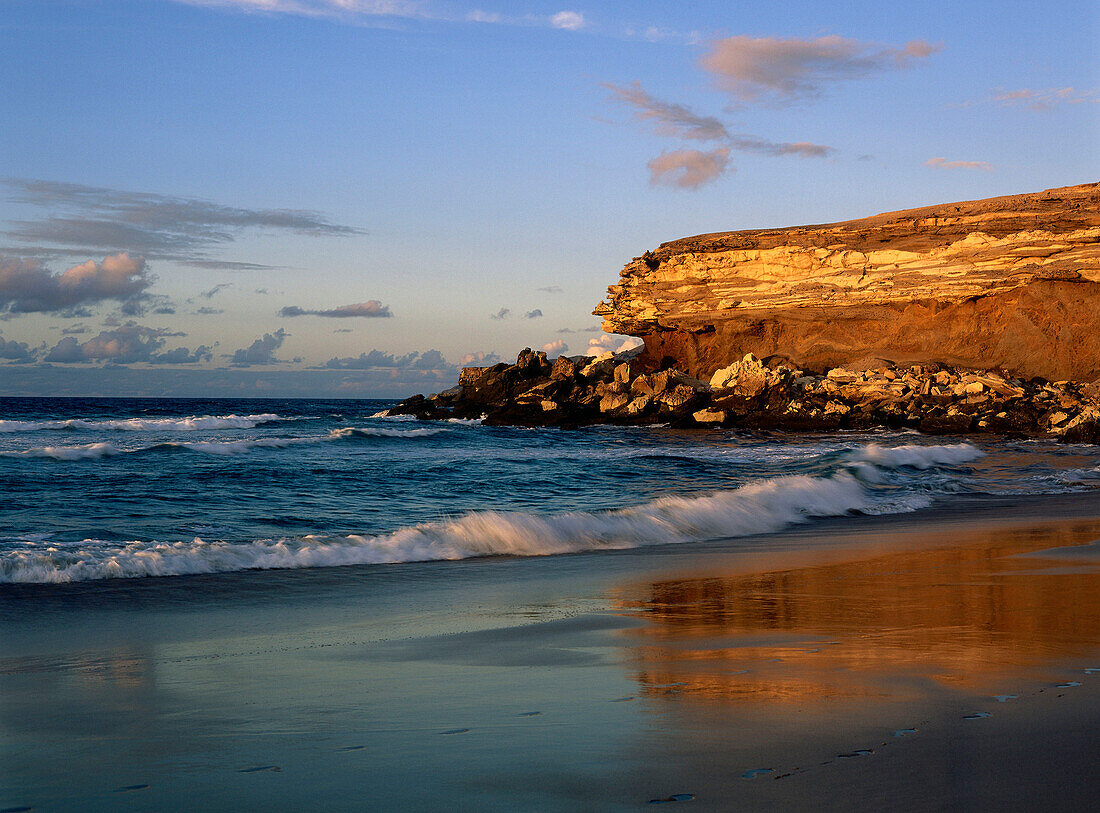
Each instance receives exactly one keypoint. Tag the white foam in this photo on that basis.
(762, 507)
(354, 431)
(90, 451)
(189, 424)
(915, 456)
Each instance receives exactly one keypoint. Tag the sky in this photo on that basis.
(353, 198)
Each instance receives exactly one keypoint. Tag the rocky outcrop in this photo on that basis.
(627, 389)
(1009, 284)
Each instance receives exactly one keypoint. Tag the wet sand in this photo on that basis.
(940, 660)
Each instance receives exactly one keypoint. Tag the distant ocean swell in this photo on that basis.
(188, 424)
(96, 451)
(761, 507)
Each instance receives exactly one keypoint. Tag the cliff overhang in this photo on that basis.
(1009, 283)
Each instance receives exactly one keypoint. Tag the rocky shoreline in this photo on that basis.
(772, 394)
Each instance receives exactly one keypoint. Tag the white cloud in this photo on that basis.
(568, 20)
(555, 348)
(688, 169)
(775, 70)
(610, 341)
(943, 163)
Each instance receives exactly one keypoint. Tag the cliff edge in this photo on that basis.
(1009, 283)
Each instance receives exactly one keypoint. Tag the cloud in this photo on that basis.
(693, 168)
(556, 347)
(261, 351)
(371, 308)
(89, 218)
(75, 330)
(568, 20)
(673, 120)
(430, 361)
(480, 359)
(610, 341)
(503, 313)
(535, 314)
(16, 352)
(126, 344)
(1039, 100)
(551, 289)
(26, 286)
(943, 163)
(688, 169)
(371, 360)
(781, 71)
(803, 149)
(205, 311)
(221, 286)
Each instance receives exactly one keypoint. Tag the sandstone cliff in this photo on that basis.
(1009, 283)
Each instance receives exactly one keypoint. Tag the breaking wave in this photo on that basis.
(762, 507)
(914, 456)
(190, 424)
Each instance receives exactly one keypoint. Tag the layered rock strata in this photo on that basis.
(628, 389)
(1009, 283)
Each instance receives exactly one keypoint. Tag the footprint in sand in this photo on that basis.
(258, 768)
(1002, 698)
(455, 731)
(755, 772)
(978, 715)
(676, 797)
(128, 788)
(902, 732)
(859, 752)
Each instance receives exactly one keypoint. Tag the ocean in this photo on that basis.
(100, 488)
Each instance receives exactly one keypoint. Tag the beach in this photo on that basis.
(941, 659)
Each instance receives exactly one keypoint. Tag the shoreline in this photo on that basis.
(583, 681)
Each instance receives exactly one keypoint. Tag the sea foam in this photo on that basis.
(189, 424)
(761, 507)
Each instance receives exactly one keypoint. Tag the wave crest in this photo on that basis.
(763, 507)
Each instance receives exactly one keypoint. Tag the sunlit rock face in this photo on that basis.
(1009, 283)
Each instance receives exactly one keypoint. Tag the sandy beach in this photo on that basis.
(927, 661)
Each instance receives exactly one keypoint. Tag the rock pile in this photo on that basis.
(771, 394)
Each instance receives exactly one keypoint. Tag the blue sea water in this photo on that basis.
(129, 488)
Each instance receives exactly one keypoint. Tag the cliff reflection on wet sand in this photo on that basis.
(891, 624)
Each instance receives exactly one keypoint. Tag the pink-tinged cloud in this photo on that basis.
(1047, 99)
(689, 169)
(555, 348)
(28, 287)
(780, 71)
(943, 163)
(369, 309)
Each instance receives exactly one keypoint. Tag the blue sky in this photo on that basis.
(312, 196)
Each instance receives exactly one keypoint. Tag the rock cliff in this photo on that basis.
(1009, 283)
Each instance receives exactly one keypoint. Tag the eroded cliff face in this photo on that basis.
(1010, 283)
